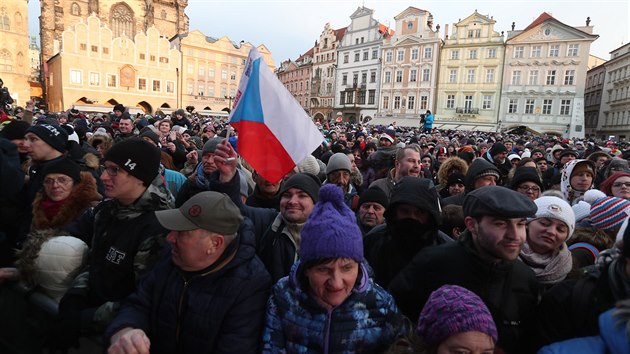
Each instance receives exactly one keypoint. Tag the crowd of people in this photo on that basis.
(149, 233)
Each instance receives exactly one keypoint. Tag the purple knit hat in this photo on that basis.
(452, 309)
(331, 230)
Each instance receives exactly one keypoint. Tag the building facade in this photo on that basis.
(614, 116)
(593, 98)
(324, 72)
(409, 68)
(357, 78)
(96, 70)
(15, 69)
(544, 77)
(211, 70)
(121, 17)
(471, 67)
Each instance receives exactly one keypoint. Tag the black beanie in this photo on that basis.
(303, 181)
(15, 130)
(119, 108)
(138, 157)
(53, 135)
(151, 135)
(456, 177)
(497, 148)
(526, 174)
(374, 195)
(64, 166)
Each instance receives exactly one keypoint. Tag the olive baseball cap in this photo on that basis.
(211, 211)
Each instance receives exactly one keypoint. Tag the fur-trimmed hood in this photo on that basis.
(83, 196)
(452, 163)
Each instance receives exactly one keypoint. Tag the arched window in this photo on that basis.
(4, 20)
(17, 18)
(20, 59)
(122, 20)
(75, 9)
(6, 63)
(163, 14)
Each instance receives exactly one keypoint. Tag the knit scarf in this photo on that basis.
(202, 180)
(549, 268)
(155, 197)
(51, 208)
(295, 230)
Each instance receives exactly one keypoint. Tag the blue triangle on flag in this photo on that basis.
(250, 105)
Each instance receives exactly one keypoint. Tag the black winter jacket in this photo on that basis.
(203, 312)
(510, 290)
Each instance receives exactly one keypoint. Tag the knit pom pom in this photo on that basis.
(592, 195)
(331, 193)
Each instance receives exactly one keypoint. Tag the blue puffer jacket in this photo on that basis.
(221, 311)
(368, 321)
(612, 339)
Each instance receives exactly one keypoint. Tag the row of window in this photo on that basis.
(414, 52)
(365, 54)
(550, 77)
(5, 22)
(294, 86)
(413, 75)
(486, 102)
(355, 78)
(546, 108)
(201, 72)
(491, 53)
(617, 118)
(408, 102)
(350, 97)
(201, 90)
(328, 57)
(573, 50)
(111, 81)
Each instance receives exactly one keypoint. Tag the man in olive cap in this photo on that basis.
(483, 260)
(212, 263)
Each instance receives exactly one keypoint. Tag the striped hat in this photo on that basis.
(608, 213)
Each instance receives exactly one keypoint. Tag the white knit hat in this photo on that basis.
(555, 208)
(308, 165)
(582, 210)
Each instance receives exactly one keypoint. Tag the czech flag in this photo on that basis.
(274, 131)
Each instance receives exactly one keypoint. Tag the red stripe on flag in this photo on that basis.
(262, 150)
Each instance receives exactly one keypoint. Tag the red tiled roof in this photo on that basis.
(339, 33)
(308, 53)
(542, 18)
(385, 30)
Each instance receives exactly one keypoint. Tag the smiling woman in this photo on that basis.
(328, 303)
(545, 250)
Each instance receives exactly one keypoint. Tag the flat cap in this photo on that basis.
(498, 201)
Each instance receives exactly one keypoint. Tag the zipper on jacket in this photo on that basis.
(327, 334)
(179, 312)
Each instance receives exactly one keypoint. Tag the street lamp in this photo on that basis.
(229, 98)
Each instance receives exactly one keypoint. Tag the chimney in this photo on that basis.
(513, 25)
(446, 31)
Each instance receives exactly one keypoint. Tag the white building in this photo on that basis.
(544, 77)
(358, 67)
(409, 70)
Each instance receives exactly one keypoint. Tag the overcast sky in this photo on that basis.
(290, 27)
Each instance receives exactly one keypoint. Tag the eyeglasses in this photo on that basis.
(111, 170)
(62, 181)
(528, 189)
(621, 184)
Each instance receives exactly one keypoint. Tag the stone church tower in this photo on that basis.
(122, 17)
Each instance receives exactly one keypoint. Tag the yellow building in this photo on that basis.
(471, 65)
(211, 70)
(96, 70)
(15, 69)
(129, 17)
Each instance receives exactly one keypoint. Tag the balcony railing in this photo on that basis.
(466, 110)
